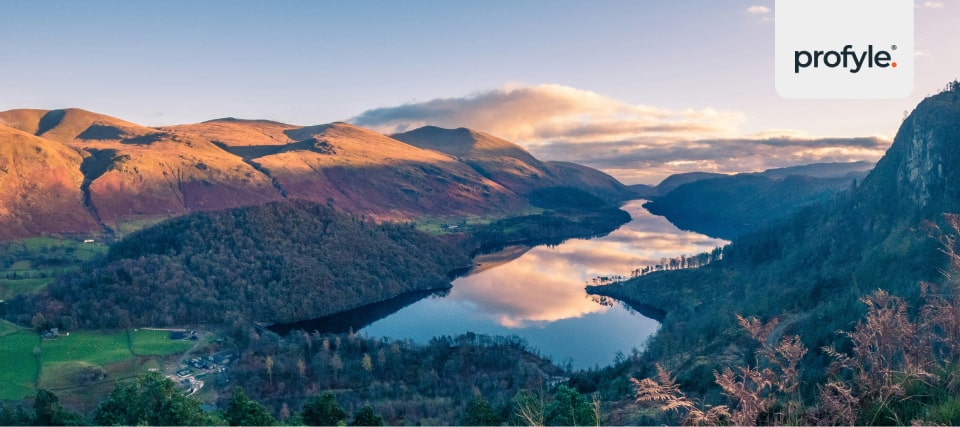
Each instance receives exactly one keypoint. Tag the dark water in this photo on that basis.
(539, 295)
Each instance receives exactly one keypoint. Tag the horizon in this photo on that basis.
(624, 87)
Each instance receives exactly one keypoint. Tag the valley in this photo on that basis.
(423, 302)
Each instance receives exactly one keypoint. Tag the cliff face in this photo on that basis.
(921, 170)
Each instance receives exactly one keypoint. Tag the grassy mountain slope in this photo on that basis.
(40, 187)
(362, 171)
(134, 175)
(492, 157)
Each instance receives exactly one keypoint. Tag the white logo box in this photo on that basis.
(819, 42)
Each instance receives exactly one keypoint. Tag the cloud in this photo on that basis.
(933, 5)
(634, 143)
(650, 160)
(758, 10)
(545, 112)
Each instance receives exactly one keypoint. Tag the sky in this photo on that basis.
(640, 89)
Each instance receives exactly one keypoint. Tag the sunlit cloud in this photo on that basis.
(758, 10)
(933, 5)
(649, 161)
(548, 112)
(634, 143)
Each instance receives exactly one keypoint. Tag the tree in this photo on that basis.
(10, 416)
(39, 322)
(367, 363)
(323, 410)
(366, 417)
(570, 408)
(241, 411)
(479, 413)
(48, 411)
(150, 399)
(528, 408)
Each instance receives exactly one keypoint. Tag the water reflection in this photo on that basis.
(540, 295)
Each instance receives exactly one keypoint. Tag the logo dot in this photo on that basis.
(894, 47)
(894, 65)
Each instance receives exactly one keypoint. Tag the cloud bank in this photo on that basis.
(635, 143)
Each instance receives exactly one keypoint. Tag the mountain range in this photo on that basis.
(728, 206)
(73, 171)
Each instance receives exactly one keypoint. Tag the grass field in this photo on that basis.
(93, 347)
(157, 343)
(62, 365)
(10, 288)
(28, 265)
(130, 224)
(19, 371)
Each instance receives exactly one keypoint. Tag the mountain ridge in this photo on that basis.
(131, 175)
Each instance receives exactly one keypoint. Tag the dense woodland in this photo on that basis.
(280, 261)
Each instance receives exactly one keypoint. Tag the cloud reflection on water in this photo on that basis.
(546, 284)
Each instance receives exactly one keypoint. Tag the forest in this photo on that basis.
(276, 262)
(312, 379)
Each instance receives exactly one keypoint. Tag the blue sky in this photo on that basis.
(700, 64)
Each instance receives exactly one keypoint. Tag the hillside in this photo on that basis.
(40, 187)
(127, 176)
(251, 263)
(511, 165)
(728, 206)
(812, 269)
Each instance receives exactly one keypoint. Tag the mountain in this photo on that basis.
(40, 187)
(492, 157)
(133, 172)
(823, 170)
(511, 165)
(673, 181)
(728, 206)
(812, 269)
(591, 180)
(116, 176)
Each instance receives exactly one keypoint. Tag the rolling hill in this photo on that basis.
(109, 175)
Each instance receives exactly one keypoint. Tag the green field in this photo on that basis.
(65, 362)
(10, 288)
(157, 343)
(93, 347)
(130, 224)
(28, 265)
(60, 375)
(18, 376)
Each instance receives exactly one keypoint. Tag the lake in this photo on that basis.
(538, 294)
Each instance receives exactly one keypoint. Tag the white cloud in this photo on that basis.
(933, 5)
(758, 10)
(533, 114)
(635, 143)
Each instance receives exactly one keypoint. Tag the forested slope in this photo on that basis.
(277, 262)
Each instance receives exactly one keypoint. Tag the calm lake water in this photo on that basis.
(540, 295)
